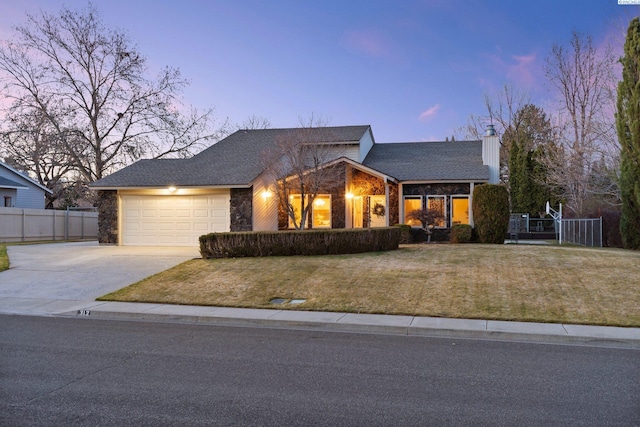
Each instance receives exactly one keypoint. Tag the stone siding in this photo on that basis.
(393, 209)
(241, 209)
(107, 204)
(436, 189)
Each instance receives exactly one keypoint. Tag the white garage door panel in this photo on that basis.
(172, 220)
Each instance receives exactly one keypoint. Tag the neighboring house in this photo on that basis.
(17, 190)
(227, 188)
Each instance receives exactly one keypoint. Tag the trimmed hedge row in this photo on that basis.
(309, 242)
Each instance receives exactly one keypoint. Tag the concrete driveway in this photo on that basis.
(83, 270)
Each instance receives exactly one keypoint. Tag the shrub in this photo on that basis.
(310, 242)
(405, 233)
(491, 213)
(461, 233)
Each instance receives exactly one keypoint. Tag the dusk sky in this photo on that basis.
(414, 70)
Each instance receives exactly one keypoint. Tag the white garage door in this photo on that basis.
(172, 220)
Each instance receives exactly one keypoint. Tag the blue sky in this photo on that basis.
(413, 69)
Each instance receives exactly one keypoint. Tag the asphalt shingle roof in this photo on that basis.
(233, 161)
(429, 161)
(238, 159)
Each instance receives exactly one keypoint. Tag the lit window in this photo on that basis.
(412, 204)
(321, 215)
(320, 211)
(437, 206)
(459, 210)
(295, 201)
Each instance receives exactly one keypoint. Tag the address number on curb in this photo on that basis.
(84, 313)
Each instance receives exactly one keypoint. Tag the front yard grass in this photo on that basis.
(551, 284)
(4, 259)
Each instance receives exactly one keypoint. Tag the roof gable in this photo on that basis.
(20, 179)
(236, 160)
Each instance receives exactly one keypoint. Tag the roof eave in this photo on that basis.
(159, 187)
(442, 181)
(31, 180)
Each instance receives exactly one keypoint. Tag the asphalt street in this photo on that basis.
(72, 371)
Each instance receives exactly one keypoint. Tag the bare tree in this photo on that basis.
(583, 77)
(32, 145)
(91, 85)
(428, 218)
(502, 107)
(254, 122)
(300, 164)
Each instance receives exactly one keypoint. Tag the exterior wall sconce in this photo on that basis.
(349, 196)
(266, 195)
(171, 189)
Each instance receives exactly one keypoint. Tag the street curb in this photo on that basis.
(628, 338)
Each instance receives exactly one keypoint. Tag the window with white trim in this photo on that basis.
(412, 203)
(438, 205)
(459, 210)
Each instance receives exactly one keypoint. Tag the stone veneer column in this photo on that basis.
(241, 209)
(107, 216)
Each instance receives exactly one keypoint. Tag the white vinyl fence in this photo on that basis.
(584, 232)
(24, 225)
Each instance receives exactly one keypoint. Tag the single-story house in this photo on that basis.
(17, 190)
(228, 187)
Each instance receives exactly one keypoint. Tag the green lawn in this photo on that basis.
(507, 282)
(4, 259)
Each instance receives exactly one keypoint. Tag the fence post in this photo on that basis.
(601, 237)
(24, 222)
(66, 225)
(54, 225)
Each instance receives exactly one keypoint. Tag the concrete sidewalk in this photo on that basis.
(329, 321)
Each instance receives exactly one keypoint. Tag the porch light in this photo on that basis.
(349, 196)
(266, 194)
(171, 189)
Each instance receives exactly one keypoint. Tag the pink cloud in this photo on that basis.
(427, 114)
(523, 70)
(369, 43)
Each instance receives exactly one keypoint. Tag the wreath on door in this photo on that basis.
(378, 210)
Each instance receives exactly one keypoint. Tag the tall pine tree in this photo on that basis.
(628, 125)
(528, 137)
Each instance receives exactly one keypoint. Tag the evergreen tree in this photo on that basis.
(628, 125)
(528, 137)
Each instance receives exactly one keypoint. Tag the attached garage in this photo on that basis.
(172, 220)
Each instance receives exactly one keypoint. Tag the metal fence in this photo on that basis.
(584, 232)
